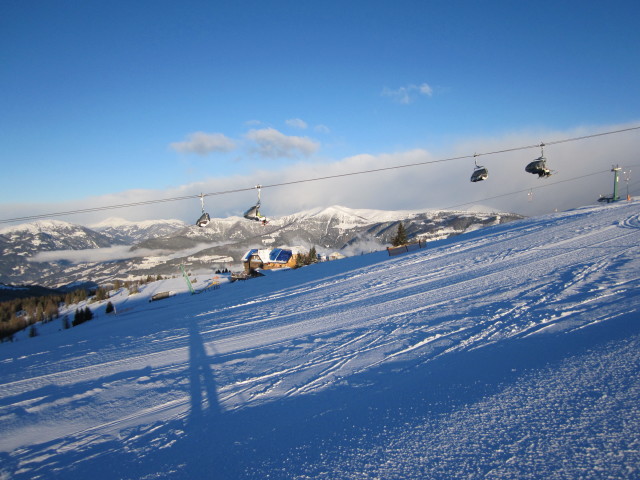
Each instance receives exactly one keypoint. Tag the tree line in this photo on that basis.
(21, 313)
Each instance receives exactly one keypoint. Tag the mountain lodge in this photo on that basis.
(269, 259)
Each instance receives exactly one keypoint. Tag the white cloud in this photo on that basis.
(322, 129)
(409, 93)
(120, 252)
(273, 144)
(297, 123)
(203, 143)
(109, 254)
(425, 89)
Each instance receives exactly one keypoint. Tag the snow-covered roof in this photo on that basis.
(275, 255)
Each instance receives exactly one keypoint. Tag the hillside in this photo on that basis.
(510, 352)
(54, 253)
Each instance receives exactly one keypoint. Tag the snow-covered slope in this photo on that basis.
(511, 352)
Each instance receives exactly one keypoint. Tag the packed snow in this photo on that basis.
(511, 352)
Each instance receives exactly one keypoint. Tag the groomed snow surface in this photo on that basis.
(512, 352)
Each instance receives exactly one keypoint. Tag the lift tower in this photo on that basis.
(613, 198)
(615, 171)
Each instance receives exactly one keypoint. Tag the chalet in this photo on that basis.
(268, 259)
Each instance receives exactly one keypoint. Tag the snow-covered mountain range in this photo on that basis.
(22, 245)
(27, 239)
(129, 233)
(55, 253)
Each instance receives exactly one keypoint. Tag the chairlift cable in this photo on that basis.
(313, 179)
(528, 190)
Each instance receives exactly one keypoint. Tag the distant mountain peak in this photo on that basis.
(37, 226)
(115, 222)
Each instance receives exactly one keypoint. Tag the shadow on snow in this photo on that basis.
(254, 442)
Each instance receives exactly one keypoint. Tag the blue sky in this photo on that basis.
(106, 102)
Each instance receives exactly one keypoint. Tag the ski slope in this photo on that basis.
(510, 352)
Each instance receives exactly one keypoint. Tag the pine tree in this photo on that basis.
(313, 255)
(401, 236)
(78, 318)
(110, 308)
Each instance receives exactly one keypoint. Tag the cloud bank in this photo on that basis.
(271, 143)
(112, 254)
(120, 252)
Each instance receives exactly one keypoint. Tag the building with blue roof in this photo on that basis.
(268, 259)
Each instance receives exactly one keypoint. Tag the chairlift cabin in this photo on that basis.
(539, 166)
(253, 213)
(479, 173)
(204, 218)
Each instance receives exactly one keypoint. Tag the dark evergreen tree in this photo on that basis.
(110, 308)
(78, 318)
(401, 236)
(82, 315)
(313, 255)
(33, 332)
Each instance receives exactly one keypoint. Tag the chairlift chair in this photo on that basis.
(204, 218)
(479, 173)
(539, 165)
(253, 213)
